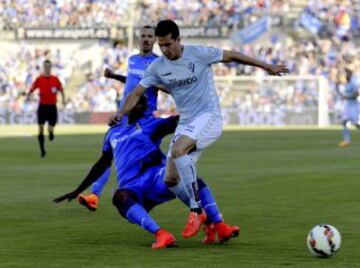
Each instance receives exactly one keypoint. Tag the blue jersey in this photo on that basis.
(135, 147)
(351, 91)
(136, 69)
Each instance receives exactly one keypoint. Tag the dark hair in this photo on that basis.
(47, 61)
(148, 27)
(166, 27)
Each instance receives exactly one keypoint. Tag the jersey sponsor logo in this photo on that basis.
(180, 83)
(137, 72)
(115, 141)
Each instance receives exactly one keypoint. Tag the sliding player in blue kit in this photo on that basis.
(137, 65)
(140, 165)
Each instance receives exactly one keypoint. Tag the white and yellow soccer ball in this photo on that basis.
(323, 240)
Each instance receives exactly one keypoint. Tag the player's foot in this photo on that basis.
(90, 201)
(210, 234)
(344, 143)
(225, 232)
(51, 136)
(43, 153)
(164, 239)
(194, 224)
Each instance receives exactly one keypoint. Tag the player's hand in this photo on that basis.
(69, 196)
(277, 69)
(114, 119)
(108, 73)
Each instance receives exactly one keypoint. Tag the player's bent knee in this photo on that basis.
(122, 200)
(171, 181)
(177, 151)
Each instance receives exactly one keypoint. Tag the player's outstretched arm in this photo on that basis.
(108, 73)
(96, 171)
(232, 56)
(129, 104)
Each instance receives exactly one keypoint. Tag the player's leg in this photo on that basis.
(91, 201)
(192, 139)
(126, 203)
(186, 169)
(41, 116)
(52, 121)
(181, 179)
(215, 223)
(41, 139)
(346, 134)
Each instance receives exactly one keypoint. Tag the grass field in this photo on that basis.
(276, 185)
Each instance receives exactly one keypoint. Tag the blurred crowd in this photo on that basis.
(337, 18)
(19, 69)
(233, 14)
(99, 94)
(327, 58)
(63, 13)
(108, 13)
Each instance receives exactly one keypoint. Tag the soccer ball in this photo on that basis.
(323, 240)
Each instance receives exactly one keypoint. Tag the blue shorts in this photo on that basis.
(149, 188)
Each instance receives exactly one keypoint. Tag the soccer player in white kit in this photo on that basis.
(185, 71)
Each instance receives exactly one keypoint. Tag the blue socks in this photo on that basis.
(137, 214)
(208, 203)
(99, 184)
(346, 133)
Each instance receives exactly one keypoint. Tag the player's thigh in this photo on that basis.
(210, 131)
(41, 115)
(52, 116)
(158, 192)
(203, 130)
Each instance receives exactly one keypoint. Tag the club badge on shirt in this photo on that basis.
(53, 90)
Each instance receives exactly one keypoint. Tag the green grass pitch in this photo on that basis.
(276, 185)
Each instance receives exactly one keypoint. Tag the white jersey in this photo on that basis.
(189, 80)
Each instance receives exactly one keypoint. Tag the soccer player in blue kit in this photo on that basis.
(140, 166)
(351, 112)
(185, 71)
(137, 65)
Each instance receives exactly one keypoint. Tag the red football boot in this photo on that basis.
(226, 232)
(210, 234)
(194, 224)
(90, 201)
(164, 239)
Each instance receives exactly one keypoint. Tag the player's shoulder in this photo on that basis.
(195, 47)
(133, 58)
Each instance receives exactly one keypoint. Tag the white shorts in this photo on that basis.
(205, 130)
